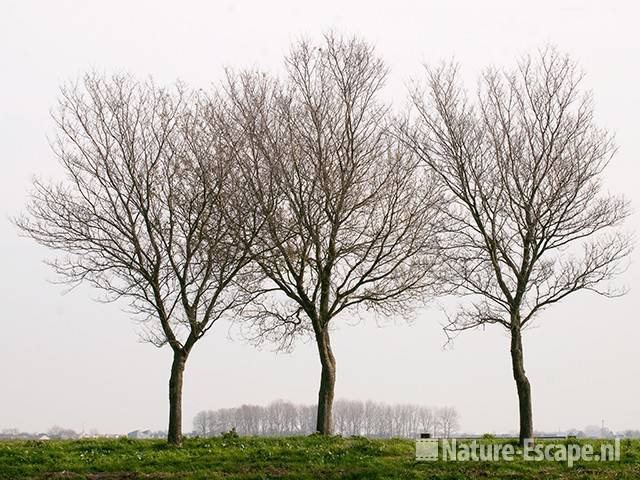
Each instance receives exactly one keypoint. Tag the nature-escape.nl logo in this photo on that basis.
(452, 450)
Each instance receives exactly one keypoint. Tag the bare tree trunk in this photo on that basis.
(324, 423)
(174, 436)
(522, 384)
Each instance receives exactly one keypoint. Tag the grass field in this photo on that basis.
(266, 458)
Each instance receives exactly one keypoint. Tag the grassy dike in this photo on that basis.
(282, 457)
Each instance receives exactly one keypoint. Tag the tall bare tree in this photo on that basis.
(522, 165)
(349, 221)
(139, 213)
(447, 421)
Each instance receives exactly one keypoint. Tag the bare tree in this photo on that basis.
(139, 213)
(372, 418)
(355, 418)
(340, 415)
(522, 165)
(249, 419)
(307, 418)
(348, 219)
(426, 420)
(447, 421)
(201, 424)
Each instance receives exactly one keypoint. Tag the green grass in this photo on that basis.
(267, 458)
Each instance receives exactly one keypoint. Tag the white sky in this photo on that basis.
(67, 360)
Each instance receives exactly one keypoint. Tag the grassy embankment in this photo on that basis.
(290, 458)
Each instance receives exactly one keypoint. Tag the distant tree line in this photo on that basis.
(350, 417)
(371, 419)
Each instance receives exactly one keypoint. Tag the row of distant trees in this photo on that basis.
(289, 203)
(371, 419)
(205, 422)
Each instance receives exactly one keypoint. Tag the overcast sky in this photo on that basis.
(68, 360)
